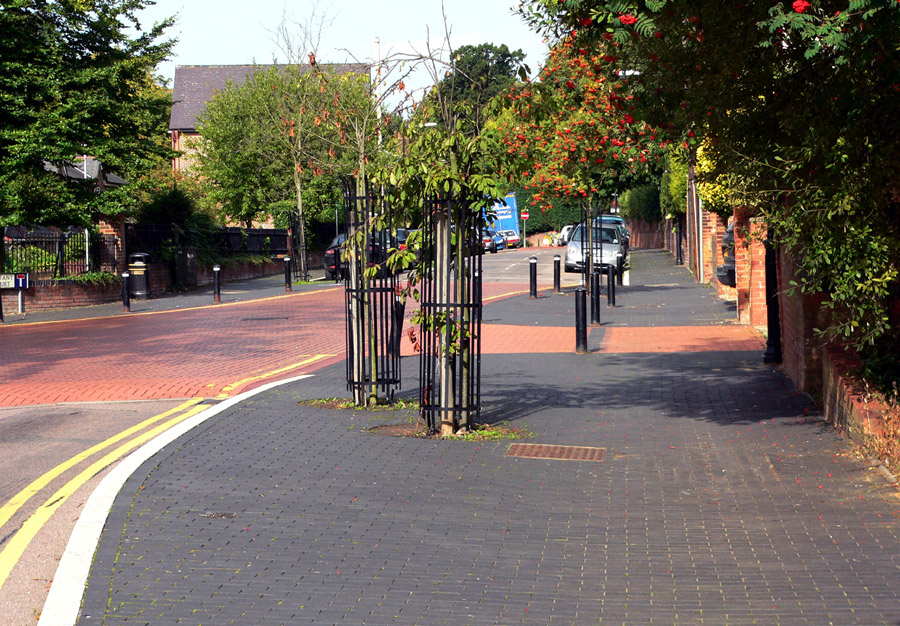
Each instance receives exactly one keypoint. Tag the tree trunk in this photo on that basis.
(443, 253)
(301, 227)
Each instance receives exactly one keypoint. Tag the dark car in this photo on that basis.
(335, 268)
(725, 272)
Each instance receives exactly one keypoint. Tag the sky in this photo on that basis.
(237, 32)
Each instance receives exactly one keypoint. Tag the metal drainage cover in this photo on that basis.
(561, 453)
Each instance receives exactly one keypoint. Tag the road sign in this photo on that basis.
(524, 215)
(14, 281)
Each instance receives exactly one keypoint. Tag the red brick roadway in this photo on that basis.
(219, 351)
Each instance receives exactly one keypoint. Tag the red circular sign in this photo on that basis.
(524, 215)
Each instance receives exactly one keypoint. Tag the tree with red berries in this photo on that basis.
(574, 133)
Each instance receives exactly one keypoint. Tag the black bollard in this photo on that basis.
(217, 288)
(581, 320)
(556, 285)
(287, 274)
(610, 285)
(126, 296)
(595, 298)
(620, 271)
(1, 307)
(533, 263)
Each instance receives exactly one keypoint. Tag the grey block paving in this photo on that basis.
(721, 499)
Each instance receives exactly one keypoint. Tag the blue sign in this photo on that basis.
(14, 281)
(507, 215)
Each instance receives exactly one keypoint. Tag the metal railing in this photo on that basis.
(52, 256)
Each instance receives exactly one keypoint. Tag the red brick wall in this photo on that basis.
(843, 402)
(60, 296)
(758, 314)
(800, 315)
(647, 235)
(115, 226)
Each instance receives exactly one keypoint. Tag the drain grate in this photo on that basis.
(217, 515)
(561, 453)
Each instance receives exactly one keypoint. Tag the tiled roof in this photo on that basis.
(196, 84)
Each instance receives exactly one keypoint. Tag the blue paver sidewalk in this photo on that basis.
(720, 499)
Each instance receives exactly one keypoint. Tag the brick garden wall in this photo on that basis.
(48, 296)
(647, 235)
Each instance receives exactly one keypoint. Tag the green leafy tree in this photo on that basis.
(642, 203)
(263, 142)
(75, 82)
(479, 73)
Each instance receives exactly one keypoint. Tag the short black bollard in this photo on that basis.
(126, 294)
(533, 263)
(620, 271)
(287, 274)
(610, 285)
(595, 299)
(217, 287)
(556, 285)
(581, 320)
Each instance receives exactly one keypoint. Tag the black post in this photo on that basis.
(773, 343)
(287, 274)
(126, 295)
(556, 286)
(1, 307)
(533, 263)
(581, 320)
(610, 285)
(620, 270)
(595, 299)
(217, 290)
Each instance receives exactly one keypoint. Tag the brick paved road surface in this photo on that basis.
(720, 498)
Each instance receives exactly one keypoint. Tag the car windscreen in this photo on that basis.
(337, 241)
(605, 234)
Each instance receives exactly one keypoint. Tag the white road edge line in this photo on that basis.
(70, 582)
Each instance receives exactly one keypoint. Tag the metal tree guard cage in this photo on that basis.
(373, 309)
(450, 335)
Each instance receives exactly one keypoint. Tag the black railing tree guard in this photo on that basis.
(374, 310)
(450, 333)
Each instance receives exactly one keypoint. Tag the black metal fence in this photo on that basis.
(52, 256)
(451, 300)
(374, 311)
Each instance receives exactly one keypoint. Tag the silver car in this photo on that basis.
(606, 239)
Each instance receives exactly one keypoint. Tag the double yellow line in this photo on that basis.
(13, 551)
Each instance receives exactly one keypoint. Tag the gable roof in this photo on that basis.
(195, 85)
(86, 168)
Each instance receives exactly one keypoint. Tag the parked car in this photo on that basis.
(606, 238)
(725, 272)
(512, 238)
(564, 234)
(618, 219)
(493, 241)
